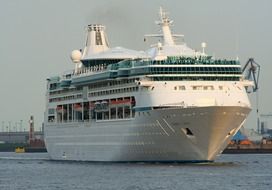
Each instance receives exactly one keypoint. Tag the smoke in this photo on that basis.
(124, 26)
(110, 13)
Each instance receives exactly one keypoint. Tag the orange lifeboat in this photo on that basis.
(78, 107)
(246, 142)
(117, 102)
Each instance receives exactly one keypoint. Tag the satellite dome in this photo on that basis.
(76, 56)
(203, 45)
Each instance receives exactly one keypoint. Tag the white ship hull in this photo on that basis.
(170, 103)
(155, 135)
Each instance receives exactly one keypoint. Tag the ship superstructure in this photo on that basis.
(169, 103)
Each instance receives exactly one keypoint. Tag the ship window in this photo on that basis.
(86, 111)
(99, 116)
(106, 115)
(64, 112)
(181, 87)
(133, 113)
(113, 113)
(53, 86)
(92, 114)
(70, 114)
(210, 87)
(51, 111)
(120, 112)
(197, 87)
(51, 118)
(127, 111)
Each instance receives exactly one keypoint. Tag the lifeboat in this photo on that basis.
(246, 142)
(78, 107)
(120, 102)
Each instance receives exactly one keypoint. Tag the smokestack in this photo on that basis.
(96, 41)
(31, 129)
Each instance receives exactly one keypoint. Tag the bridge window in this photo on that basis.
(181, 87)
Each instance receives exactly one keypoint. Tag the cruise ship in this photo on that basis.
(170, 103)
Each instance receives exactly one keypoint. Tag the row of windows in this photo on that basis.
(114, 91)
(194, 69)
(66, 90)
(122, 112)
(201, 87)
(53, 86)
(179, 61)
(205, 87)
(94, 86)
(105, 92)
(185, 70)
(195, 61)
(115, 64)
(196, 78)
(179, 88)
(198, 87)
(111, 83)
(118, 108)
(92, 62)
(64, 98)
(196, 72)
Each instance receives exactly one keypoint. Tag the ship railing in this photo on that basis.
(176, 104)
(66, 75)
(63, 93)
(113, 87)
(90, 70)
(177, 60)
(180, 60)
(85, 122)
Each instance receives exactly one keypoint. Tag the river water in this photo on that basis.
(36, 171)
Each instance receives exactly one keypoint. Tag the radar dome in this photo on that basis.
(203, 45)
(76, 56)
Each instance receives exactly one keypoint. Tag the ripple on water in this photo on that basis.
(35, 171)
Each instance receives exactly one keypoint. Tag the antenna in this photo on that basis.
(166, 35)
(161, 13)
(237, 46)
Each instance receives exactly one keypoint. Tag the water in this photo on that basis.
(35, 171)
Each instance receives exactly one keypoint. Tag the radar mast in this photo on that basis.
(166, 35)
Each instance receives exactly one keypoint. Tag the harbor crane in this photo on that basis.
(251, 71)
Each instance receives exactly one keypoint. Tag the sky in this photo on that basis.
(37, 37)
